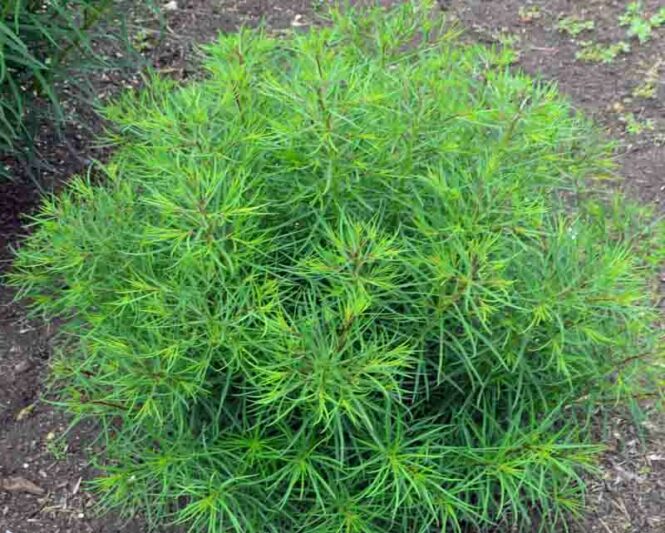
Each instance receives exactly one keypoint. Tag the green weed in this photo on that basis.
(658, 19)
(57, 446)
(649, 87)
(635, 126)
(351, 282)
(600, 52)
(638, 24)
(574, 26)
(529, 13)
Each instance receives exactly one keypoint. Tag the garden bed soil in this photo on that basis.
(629, 496)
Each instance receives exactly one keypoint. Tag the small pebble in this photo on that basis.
(21, 367)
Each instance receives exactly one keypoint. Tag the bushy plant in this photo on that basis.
(348, 283)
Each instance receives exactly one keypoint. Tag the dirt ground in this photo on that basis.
(626, 96)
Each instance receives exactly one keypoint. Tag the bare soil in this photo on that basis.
(630, 495)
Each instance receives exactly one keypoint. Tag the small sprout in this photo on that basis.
(143, 40)
(601, 53)
(649, 86)
(508, 52)
(646, 89)
(529, 13)
(506, 38)
(635, 126)
(639, 25)
(574, 26)
(56, 445)
(633, 10)
(641, 29)
(658, 19)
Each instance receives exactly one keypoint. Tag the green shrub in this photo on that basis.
(348, 283)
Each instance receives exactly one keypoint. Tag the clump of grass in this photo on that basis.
(35, 40)
(347, 283)
(42, 44)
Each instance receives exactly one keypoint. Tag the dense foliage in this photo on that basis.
(348, 283)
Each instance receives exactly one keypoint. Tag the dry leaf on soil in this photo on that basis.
(20, 484)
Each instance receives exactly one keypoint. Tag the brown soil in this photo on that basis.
(630, 496)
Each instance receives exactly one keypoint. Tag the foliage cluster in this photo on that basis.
(348, 283)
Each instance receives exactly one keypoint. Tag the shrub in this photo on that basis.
(347, 283)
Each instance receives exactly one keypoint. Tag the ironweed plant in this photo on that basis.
(347, 283)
